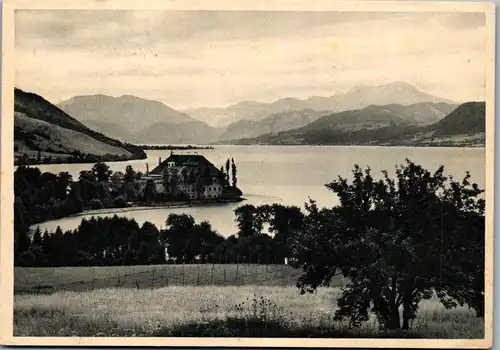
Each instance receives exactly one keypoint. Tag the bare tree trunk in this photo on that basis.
(394, 322)
(408, 312)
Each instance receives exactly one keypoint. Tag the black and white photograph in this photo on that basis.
(238, 174)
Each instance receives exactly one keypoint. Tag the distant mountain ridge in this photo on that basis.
(282, 121)
(356, 98)
(463, 126)
(376, 116)
(130, 118)
(127, 109)
(367, 118)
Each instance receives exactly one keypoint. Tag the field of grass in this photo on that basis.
(261, 302)
(50, 280)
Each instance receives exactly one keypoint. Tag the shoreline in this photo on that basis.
(172, 205)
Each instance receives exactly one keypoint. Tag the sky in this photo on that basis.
(217, 58)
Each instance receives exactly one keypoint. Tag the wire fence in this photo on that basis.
(50, 280)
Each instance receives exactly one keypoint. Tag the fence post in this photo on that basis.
(183, 273)
(225, 281)
(93, 277)
(174, 269)
(118, 279)
(212, 274)
(198, 278)
(237, 268)
(153, 278)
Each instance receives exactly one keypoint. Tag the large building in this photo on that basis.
(191, 174)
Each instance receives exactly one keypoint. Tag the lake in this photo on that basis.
(285, 174)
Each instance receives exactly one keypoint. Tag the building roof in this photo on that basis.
(182, 160)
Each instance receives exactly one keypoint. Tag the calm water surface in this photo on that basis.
(287, 175)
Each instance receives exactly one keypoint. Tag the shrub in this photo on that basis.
(119, 202)
(96, 204)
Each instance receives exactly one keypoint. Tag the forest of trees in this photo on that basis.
(122, 241)
(46, 196)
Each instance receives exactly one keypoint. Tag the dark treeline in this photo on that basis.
(121, 241)
(46, 196)
(96, 242)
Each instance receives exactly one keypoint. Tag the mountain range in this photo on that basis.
(356, 98)
(139, 120)
(409, 116)
(465, 125)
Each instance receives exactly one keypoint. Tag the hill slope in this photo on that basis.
(41, 126)
(468, 118)
(109, 114)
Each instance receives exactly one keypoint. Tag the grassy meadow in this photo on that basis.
(50, 280)
(260, 301)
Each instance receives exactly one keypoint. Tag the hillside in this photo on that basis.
(468, 118)
(274, 123)
(39, 126)
(366, 118)
(356, 98)
(109, 115)
(464, 126)
(423, 112)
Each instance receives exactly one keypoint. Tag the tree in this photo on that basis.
(199, 185)
(75, 195)
(397, 241)
(222, 176)
(150, 191)
(37, 237)
(227, 170)
(178, 237)
(63, 182)
(206, 238)
(101, 171)
(87, 175)
(130, 174)
(119, 202)
(171, 181)
(96, 204)
(128, 189)
(233, 171)
(284, 223)
(249, 220)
